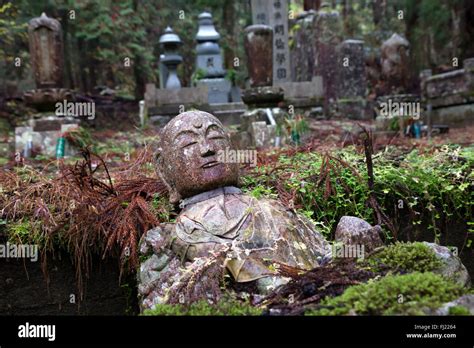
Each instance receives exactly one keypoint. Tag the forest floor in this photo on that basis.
(109, 195)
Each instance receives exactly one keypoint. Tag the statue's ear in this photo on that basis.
(160, 170)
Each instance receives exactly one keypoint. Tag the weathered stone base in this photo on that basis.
(218, 89)
(454, 116)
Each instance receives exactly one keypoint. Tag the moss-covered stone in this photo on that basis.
(225, 307)
(405, 257)
(458, 310)
(408, 294)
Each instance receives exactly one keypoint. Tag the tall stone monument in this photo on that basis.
(44, 132)
(47, 60)
(275, 14)
(328, 29)
(352, 87)
(209, 61)
(258, 42)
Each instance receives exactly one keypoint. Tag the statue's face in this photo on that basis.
(190, 145)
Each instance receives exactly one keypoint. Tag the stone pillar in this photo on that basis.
(259, 49)
(260, 13)
(46, 51)
(328, 29)
(275, 14)
(352, 80)
(281, 52)
(302, 52)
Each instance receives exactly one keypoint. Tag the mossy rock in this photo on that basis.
(405, 257)
(204, 308)
(458, 310)
(409, 294)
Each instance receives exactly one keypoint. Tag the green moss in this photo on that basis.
(458, 310)
(409, 257)
(222, 308)
(408, 294)
(25, 232)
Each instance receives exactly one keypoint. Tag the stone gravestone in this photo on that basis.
(47, 61)
(258, 42)
(352, 80)
(41, 134)
(275, 14)
(46, 50)
(302, 53)
(328, 29)
(281, 55)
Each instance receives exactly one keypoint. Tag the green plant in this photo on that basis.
(408, 294)
(430, 187)
(225, 307)
(199, 74)
(25, 232)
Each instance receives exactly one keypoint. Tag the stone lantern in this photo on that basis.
(209, 62)
(170, 59)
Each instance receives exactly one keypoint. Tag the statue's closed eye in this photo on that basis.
(189, 144)
(213, 137)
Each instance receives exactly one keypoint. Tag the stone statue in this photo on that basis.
(216, 217)
(395, 63)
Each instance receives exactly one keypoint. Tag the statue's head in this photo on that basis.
(187, 158)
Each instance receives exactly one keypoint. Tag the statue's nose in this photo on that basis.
(207, 149)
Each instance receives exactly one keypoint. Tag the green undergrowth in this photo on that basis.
(409, 294)
(405, 257)
(222, 308)
(433, 188)
(458, 310)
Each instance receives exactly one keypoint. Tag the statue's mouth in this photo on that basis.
(210, 164)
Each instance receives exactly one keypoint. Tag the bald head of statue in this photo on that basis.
(187, 157)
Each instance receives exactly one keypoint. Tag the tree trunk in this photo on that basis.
(229, 22)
